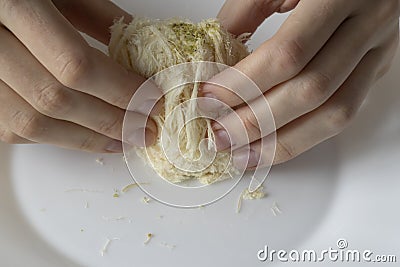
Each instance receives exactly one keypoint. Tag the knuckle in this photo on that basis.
(383, 70)
(313, 90)
(111, 127)
(52, 100)
(9, 6)
(284, 152)
(26, 125)
(340, 118)
(75, 67)
(289, 57)
(121, 100)
(7, 136)
(89, 143)
(251, 125)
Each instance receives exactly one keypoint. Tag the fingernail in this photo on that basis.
(244, 158)
(209, 102)
(142, 137)
(114, 147)
(222, 140)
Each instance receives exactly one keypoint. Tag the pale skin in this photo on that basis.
(315, 71)
(54, 87)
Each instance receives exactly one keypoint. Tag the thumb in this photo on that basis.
(244, 16)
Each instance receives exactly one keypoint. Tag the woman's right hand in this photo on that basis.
(54, 87)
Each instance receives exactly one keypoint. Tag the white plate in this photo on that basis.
(345, 188)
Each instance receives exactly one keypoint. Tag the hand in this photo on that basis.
(314, 72)
(54, 87)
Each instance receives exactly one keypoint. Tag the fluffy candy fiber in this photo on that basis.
(148, 46)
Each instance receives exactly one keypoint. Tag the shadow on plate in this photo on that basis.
(305, 189)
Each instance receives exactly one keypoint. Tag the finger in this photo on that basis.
(63, 51)
(391, 46)
(308, 90)
(321, 124)
(286, 54)
(238, 16)
(9, 137)
(93, 17)
(20, 118)
(48, 96)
